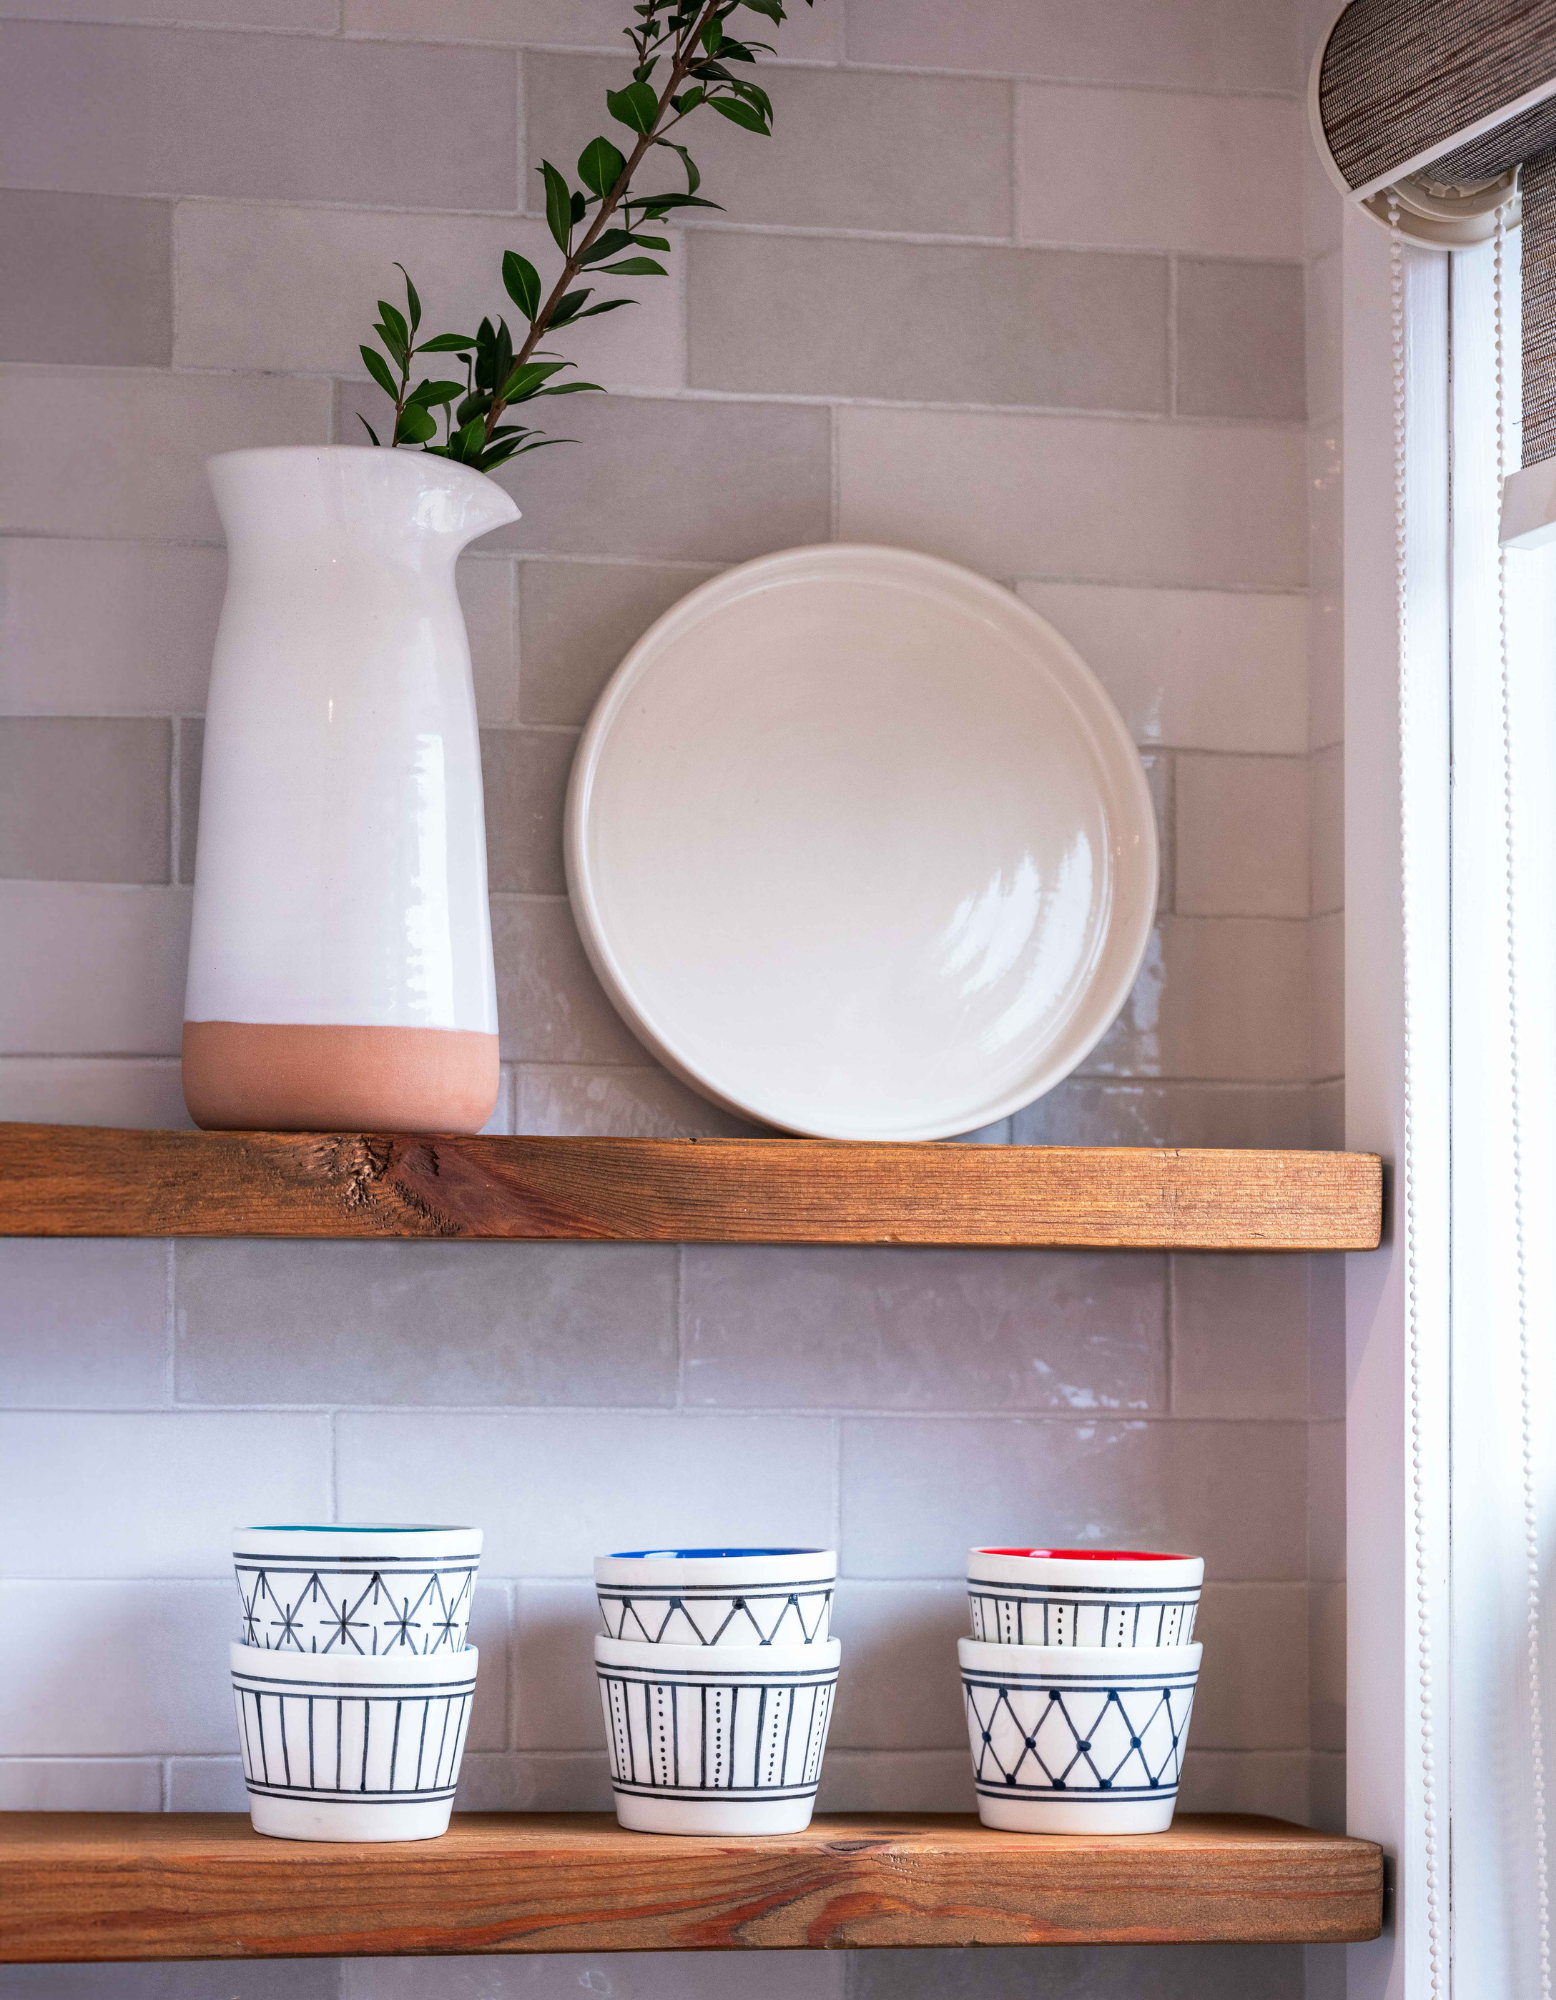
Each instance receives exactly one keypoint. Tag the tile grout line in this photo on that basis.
(1013, 151)
(170, 1322)
(835, 471)
(678, 1321)
(175, 801)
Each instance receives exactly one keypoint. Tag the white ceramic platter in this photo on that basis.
(859, 847)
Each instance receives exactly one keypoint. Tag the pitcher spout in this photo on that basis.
(461, 502)
(388, 498)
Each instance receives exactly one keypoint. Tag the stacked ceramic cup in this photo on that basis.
(1078, 1680)
(352, 1678)
(716, 1677)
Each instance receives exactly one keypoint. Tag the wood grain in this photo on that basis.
(76, 1180)
(115, 1886)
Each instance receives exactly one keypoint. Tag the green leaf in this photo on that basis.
(658, 203)
(772, 9)
(571, 389)
(399, 353)
(569, 306)
(469, 436)
(416, 424)
(410, 297)
(713, 37)
(693, 177)
(605, 306)
(395, 320)
(559, 206)
(609, 243)
(635, 267)
(378, 368)
(525, 382)
(447, 343)
(738, 112)
(754, 94)
(471, 408)
(434, 393)
(505, 452)
(600, 165)
(580, 208)
(521, 281)
(368, 428)
(636, 107)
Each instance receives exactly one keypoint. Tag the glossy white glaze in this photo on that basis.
(341, 872)
(859, 847)
(351, 1747)
(1077, 1739)
(715, 1739)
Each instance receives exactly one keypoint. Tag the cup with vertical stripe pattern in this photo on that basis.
(1083, 1597)
(716, 1739)
(353, 1746)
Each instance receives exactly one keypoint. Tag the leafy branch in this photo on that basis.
(692, 40)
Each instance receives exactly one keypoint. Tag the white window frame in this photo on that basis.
(1436, 1469)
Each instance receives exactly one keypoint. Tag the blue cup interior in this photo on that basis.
(354, 1528)
(704, 1555)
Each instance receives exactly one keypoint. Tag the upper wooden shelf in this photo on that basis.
(117, 1886)
(79, 1180)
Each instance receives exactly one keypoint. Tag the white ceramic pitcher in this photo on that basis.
(340, 964)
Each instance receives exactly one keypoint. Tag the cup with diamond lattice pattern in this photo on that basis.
(1077, 1739)
(356, 1588)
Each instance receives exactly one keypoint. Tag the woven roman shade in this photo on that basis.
(1447, 109)
(1402, 84)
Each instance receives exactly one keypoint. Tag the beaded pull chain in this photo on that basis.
(1407, 1158)
(1515, 1148)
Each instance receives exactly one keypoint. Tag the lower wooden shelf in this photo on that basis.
(118, 1886)
(75, 1180)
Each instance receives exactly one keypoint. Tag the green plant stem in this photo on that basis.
(685, 55)
(405, 389)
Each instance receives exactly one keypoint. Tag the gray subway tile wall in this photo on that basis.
(98, 281)
(577, 621)
(954, 304)
(837, 316)
(290, 288)
(85, 798)
(1193, 45)
(169, 111)
(849, 151)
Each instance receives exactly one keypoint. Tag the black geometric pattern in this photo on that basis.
(1060, 1736)
(1081, 1615)
(717, 1616)
(734, 1736)
(306, 1609)
(368, 1744)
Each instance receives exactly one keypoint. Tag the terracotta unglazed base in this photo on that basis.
(261, 1077)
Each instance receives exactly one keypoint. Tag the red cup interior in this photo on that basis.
(1092, 1555)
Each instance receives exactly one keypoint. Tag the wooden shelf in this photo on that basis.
(78, 1180)
(116, 1886)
